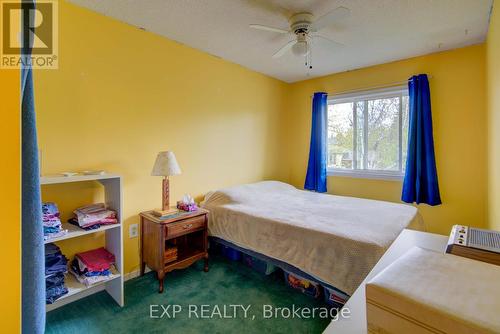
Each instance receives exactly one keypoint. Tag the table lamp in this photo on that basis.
(166, 165)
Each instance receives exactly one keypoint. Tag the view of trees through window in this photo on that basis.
(368, 133)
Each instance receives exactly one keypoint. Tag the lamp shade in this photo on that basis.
(166, 165)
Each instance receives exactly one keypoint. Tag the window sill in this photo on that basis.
(363, 174)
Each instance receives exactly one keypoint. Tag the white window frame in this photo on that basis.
(361, 96)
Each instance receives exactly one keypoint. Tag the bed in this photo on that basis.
(335, 239)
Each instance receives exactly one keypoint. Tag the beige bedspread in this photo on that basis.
(334, 238)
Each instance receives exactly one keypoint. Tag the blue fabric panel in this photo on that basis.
(33, 259)
(421, 182)
(316, 167)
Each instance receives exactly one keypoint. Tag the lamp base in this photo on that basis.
(166, 194)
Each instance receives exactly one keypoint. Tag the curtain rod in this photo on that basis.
(388, 85)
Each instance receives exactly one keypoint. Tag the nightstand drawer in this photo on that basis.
(185, 226)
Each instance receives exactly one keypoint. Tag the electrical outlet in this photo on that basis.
(133, 231)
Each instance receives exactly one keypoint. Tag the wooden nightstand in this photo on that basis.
(187, 233)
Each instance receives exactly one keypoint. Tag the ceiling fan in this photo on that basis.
(305, 27)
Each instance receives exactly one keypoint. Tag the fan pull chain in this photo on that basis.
(309, 59)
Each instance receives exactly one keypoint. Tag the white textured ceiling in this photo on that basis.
(377, 31)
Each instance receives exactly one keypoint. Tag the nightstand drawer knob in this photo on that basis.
(187, 226)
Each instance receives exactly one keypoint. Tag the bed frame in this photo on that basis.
(280, 264)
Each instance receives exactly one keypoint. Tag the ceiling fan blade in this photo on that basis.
(330, 18)
(266, 28)
(330, 41)
(284, 49)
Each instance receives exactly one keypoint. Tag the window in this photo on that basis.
(368, 134)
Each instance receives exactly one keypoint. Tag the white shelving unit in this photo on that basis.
(114, 240)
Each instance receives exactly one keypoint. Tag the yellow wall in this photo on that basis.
(460, 132)
(10, 200)
(121, 95)
(10, 197)
(493, 70)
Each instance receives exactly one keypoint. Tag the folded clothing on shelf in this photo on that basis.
(51, 222)
(54, 280)
(94, 214)
(54, 293)
(74, 221)
(93, 266)
(55, 261)
(97, 259)
(56, 265)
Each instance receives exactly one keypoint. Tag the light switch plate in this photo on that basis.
(133, 230)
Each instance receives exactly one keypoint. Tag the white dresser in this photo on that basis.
(356, 323)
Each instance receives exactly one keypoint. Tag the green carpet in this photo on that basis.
(227, 283)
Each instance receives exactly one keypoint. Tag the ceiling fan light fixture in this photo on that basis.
(301, 48)
(302, 25)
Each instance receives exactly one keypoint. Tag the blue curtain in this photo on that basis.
(33, 259)
(420, 183)
(316, 168)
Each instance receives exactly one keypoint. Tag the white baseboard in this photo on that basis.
(134, 274)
